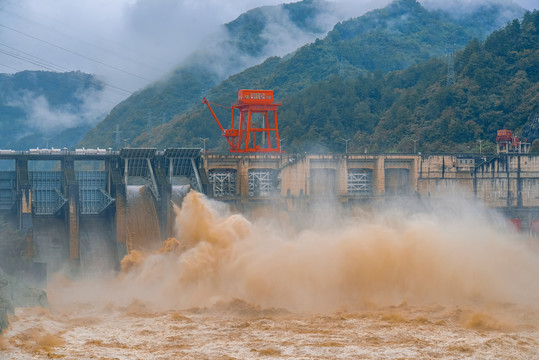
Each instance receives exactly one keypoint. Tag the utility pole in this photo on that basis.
(204, 141)
(480, 141)
(415, 141)
(125, 142)
(346, 144)
(280, 141)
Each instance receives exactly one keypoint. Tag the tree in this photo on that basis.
(534, 149)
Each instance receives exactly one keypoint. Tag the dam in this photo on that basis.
(72, 207)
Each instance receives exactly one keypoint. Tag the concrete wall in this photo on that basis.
(500, 181)
(509, 183)
(318, 176)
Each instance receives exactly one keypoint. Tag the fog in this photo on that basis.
(44, 118)
(130, 43)
(443, 277)
(450, 252)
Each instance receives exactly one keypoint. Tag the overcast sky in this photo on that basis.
(127, 42)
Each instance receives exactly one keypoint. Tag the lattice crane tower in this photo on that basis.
(248, 135)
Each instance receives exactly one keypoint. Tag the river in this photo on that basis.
(445, 280)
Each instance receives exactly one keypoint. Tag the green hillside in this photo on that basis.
(402, 34)
(496, 86)
(243, 42)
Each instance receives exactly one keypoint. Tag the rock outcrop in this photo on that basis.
(13, 294)
(6, 304)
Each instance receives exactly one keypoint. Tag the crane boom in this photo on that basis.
(223, 131)
(252, 135)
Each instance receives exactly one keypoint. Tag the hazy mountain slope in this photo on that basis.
(397, 36)
(496, 86)
(248, 40)
(39, 108)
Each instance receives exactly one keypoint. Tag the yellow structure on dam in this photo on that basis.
(501, 181)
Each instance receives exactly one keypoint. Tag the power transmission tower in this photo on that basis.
(451, 67)
(163, 118)
(118, 132)
(150, 122)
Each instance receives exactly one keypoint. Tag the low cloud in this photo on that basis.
(131, 43)
(41, 116)
(466, 6)
(128, 42)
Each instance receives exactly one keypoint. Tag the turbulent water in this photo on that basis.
(440, 281)
(142, 224)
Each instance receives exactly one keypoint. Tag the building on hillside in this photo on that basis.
(506, 142)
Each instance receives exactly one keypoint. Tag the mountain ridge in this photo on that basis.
(43, 108)
(315, 62)
(186, 85)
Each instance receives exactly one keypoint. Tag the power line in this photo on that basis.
(48, 65)
(9, 67)
(51, 68)
(97, 38)
(67, 73)
(79, 40)
(74, 53)
(29, 61)
(127, 92)
(32, 59)
(73, 77)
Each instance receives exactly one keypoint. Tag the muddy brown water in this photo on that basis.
(383, 285)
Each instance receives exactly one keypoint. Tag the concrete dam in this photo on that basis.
(83, 210)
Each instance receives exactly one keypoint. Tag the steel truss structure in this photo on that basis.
(223, 182)
(249, 135)
(47, 198)
(138, 163)
(261, 182)
(359, 182)
(93, 198)
(8, 190)
(184, 162)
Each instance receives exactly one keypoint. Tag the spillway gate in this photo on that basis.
(64, 199)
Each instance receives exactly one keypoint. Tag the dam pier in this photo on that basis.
(74, 206)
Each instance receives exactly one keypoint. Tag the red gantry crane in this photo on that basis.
(507, 142)
(257, 129)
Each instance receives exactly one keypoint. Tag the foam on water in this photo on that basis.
(447, 279)
(436, 256)
(142, 224)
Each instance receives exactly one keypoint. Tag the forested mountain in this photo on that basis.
(496, 86)
(246, 41)
(392, 38)
(40, 108)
